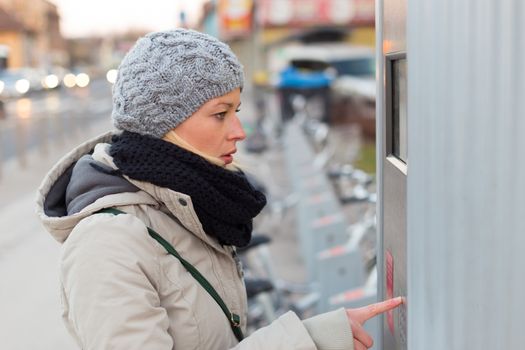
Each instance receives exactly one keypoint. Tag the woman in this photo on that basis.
(120, 202)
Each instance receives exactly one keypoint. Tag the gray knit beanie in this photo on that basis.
(167, 76)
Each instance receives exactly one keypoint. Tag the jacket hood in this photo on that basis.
(89, 181)
(73, 188)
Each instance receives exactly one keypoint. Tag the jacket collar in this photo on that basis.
(178, 204)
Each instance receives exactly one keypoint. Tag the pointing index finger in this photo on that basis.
(367, 312)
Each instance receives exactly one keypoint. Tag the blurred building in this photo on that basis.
(30, 29)
(84, 51)
(232, 21)
(253, 26)
(279, 18)
(99, 54)
(12, 40)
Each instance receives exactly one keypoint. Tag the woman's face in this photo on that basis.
(214, 129)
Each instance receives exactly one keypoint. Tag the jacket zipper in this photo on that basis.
(238, 263)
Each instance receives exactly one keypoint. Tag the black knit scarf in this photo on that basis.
(224, 200)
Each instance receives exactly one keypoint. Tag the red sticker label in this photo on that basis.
(389, 274)
(326, 220)
(317, 198)
(354, 294)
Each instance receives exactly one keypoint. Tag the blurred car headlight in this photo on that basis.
(1, 86)
(82, 80)
(22, 86)
(70, 80)
(51, 81)
(111, 75)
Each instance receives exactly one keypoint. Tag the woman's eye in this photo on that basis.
(221, 115)
(237, 110)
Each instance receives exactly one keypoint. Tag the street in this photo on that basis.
(39, 119)
(29, 296)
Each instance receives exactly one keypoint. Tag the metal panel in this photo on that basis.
(466, 193)
(394, 26)
(393, 175)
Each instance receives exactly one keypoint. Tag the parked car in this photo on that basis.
(353, 67)
(352, 90)
(341, 59)
(35, 76)
(13, 84)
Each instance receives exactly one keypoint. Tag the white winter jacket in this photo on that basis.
(122, 290)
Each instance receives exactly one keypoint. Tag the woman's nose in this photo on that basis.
(237, 131)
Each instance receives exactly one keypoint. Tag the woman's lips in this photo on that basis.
(227, 158)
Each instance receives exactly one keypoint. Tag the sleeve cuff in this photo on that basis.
(331, 330)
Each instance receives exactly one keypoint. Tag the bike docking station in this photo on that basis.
(329, 246)
(320, 222)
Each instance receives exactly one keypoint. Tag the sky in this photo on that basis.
(94, 17)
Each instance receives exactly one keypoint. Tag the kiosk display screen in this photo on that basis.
(399, 109)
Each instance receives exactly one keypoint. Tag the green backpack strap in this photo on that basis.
(235, 320)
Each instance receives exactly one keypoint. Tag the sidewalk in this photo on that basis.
(29, 296)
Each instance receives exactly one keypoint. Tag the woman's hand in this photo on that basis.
(358, 317)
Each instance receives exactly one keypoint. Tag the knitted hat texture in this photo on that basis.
(169, 75)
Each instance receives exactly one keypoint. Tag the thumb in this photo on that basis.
(365, 313)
